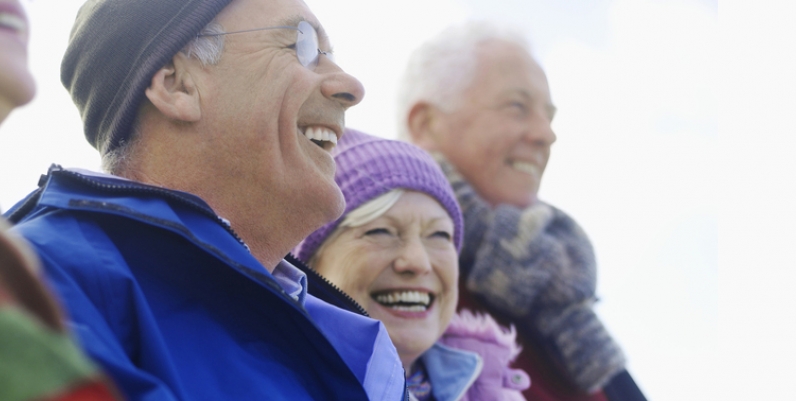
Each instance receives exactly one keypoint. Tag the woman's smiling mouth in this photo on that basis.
(404, 300)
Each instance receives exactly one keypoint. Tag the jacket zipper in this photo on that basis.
(345, 297)
(351, 304)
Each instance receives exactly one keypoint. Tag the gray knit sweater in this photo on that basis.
(537, 266)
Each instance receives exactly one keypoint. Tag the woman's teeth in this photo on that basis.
(407, 301)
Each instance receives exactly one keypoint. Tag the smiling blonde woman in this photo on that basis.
(395, 252)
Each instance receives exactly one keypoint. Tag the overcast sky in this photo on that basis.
(636, 87)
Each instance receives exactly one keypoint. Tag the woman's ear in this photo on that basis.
(422, 122)
(173, 91)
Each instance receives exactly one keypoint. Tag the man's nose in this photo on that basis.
(412, 258)
(340, 86)
(540, 133)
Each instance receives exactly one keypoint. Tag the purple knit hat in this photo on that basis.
(369, 166)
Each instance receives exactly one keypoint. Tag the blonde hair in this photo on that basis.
(364, 214)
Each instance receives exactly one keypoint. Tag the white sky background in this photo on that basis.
(636, 162)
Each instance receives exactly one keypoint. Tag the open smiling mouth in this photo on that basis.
(525, 167)
(405, 301)
(323, 137)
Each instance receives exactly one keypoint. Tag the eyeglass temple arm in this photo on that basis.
(249, 30)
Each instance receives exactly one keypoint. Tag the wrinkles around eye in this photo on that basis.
(378, 231)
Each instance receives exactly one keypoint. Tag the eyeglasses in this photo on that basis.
(306, 45)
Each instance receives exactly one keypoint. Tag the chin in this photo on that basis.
(337, 206)
(316, 205)
(411, 344)
(334, 206)
(18, 89)
(528, 201)
(523, 199)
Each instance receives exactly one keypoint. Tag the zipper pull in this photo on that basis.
(44, 177)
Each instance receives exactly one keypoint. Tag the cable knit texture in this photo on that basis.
(537, 266)
(497, 347)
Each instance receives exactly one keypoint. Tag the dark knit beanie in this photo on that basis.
(115, 48)
(369, 166)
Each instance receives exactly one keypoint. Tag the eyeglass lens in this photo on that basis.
(307, 45)
(307, 48)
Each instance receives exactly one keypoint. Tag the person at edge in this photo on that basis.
(38, 358)
(475, 97)
(214, 120)
(394, 251)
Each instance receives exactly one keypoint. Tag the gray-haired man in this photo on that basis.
(215, 118)
(476, 98)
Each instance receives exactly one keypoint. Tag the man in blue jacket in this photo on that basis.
(214, 119)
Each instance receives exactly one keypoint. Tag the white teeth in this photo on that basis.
(413, 308)
(420, 299)
(321, 134)
(524, 167)
(12, 21)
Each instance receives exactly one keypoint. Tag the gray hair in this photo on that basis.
(206, 49)
(443, 67)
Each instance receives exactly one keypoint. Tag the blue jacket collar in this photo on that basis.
(451, 371)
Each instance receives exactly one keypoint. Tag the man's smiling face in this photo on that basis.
(270, 122)
(499, 137)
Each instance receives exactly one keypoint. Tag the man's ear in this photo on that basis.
(423, 123)
(173, 91)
